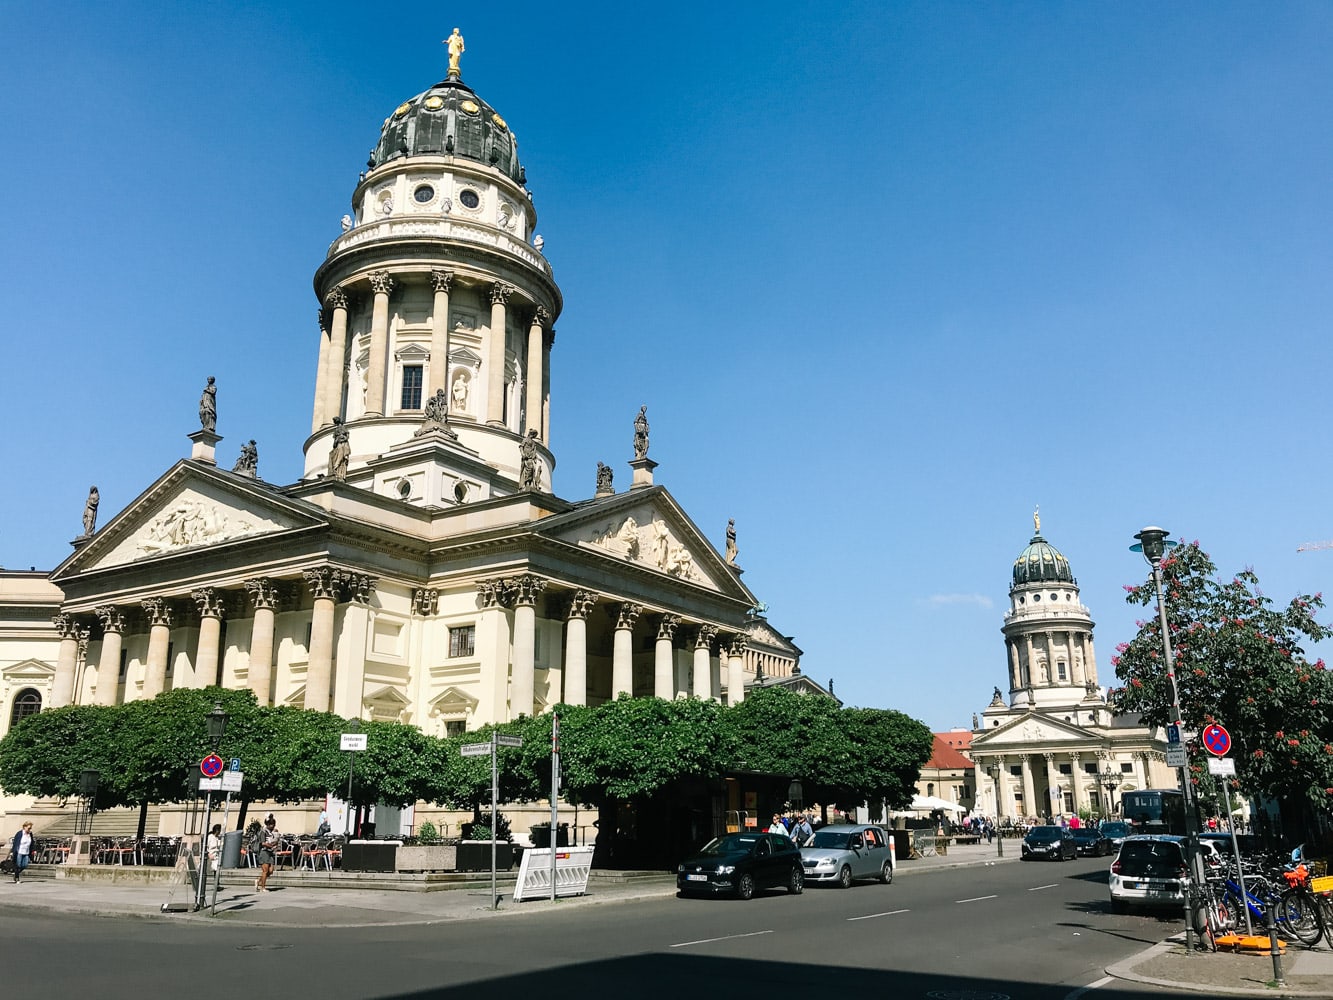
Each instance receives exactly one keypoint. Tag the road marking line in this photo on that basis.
(1087, 989)
(975, 899)
(872, 916)
(1037, 887)
(728, 937)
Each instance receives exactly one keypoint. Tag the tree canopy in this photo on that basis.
(1240, 662)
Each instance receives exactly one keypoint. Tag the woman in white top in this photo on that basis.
(21, 850)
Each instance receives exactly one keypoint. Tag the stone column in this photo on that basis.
(576, 647)
(1054, 804)
(664, 668)
(382, 284)
(324, 584)
(622, 650)
(336, 364)
(1029, 793)
(1075, 781)
(1014, 670)
(540, 317)
(736, 669)
(440, 280)
(207, 656)
(348, 673)
(108, 665)
(67, 660)
(495, 355)
(547, 343)
(1028, 679)
(493, 650)
(158, 612)
(318, 418)
(703, 666)
(264, 596)
(527, 589)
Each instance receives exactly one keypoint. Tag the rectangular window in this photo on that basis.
(1065, 769)
(124, 662)
(1126, 768)
(462, 640)
(171, 656)
(1060, 668)
(411, 387)
(455, 728)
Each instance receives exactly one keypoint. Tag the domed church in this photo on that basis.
(1052, 747)
(422, 570)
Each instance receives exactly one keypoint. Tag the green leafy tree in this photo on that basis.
(44, 753)
(889, 749)
(1239, 661)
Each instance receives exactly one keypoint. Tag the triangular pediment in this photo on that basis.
(1031, 729)
(188, 509)
(648, 530)
(27, 672)
(452, 701)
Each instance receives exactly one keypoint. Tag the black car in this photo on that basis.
(1049, 843)
(1116, 831)
(1091, 842)
(739, 863)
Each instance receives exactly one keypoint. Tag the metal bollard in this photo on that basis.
(1273, 949)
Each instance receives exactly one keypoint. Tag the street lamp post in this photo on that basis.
(1153, 544)
(999, 840)
(1110, 781)
(217, 727)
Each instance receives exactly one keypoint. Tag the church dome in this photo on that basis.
(1041, 562)
(449, 119)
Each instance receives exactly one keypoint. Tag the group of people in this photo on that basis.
(799, 826)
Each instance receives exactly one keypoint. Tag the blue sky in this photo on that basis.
(887, 276)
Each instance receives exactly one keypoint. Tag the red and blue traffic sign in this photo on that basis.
(211, 766)
(1216, 740)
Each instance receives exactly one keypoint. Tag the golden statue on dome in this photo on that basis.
(455, 43)
(1036, 519)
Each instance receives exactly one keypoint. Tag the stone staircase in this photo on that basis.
(122, 821)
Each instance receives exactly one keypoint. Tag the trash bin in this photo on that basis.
(541, 835)
(231, 849)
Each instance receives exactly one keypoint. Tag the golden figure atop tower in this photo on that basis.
(455, 43)
(1036, 519)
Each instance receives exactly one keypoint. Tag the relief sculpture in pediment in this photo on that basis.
(190, 522)
(651, 543)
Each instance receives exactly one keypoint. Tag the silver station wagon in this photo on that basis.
(842, 854)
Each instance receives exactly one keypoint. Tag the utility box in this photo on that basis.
(231, 849)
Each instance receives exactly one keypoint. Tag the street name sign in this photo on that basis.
(509, 741)
(1224, 766)
(475, 749)
(352, 742)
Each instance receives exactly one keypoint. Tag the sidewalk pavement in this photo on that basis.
(289, 904)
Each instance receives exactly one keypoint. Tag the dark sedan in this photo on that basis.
(740, 863)
(1049, 843)
(1091, 842)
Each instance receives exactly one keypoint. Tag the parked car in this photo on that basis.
(1116, 832)
(1050, 843)
(1149, 870)
(1091, 841)
(842, 854)
(1248, 843)
(741, 863)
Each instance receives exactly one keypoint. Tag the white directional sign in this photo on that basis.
(1222, 766)
(475, 749)
(353, 741)
(231, 781)
(1176, 755)
(509, 741)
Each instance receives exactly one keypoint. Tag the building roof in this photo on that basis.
(1041, 562)
(945, 758)
(449, 119)
(959, 739)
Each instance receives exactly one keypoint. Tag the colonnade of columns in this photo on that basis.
(1077, 655)
(334, 356)
(521, 593)
(1017, 796)
(210, 607)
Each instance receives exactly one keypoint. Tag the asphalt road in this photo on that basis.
(1038, 931)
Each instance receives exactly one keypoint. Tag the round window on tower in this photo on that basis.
(1055, 597)
(469, 198)
(404, 489)
(423, 194)
(1036, 598)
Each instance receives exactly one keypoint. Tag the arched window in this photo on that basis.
(27, 702)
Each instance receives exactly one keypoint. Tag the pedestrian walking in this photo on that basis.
(20, 849)
(269, 840)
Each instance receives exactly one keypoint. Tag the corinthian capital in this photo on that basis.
(500, 293)
(110, 618)
(581, 604)
(703, 639)
(666, 627)
(527, 588)
(381, 283)
(209, 602)
(67, 626)
(493, 593)
(540, 316)
(323, 582)
(425, 601)
(158, 611)
(737, 645)
(627, 614)
(440, 280)
(360, 586)
(336, 299)
(263, 593)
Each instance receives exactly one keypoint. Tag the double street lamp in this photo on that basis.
(1152, 542)
(1110, 781)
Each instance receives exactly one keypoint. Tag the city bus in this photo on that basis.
(1154, 810)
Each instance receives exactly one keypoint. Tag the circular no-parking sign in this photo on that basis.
(211, 766)
(1216, 740)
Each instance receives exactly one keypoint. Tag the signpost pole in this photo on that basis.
(1240, 870)
(201, 888)
(217, 868)
(351, 764)
(495, 790)
(555, 790)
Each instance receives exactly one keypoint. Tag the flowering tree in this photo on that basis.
(1240, 662)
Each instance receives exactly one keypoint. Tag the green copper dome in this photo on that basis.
(449, 120)
(1041, 562)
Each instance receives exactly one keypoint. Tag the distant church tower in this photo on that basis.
(437, 313)
(1047, 631)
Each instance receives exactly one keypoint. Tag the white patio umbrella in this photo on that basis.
(929, 803)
